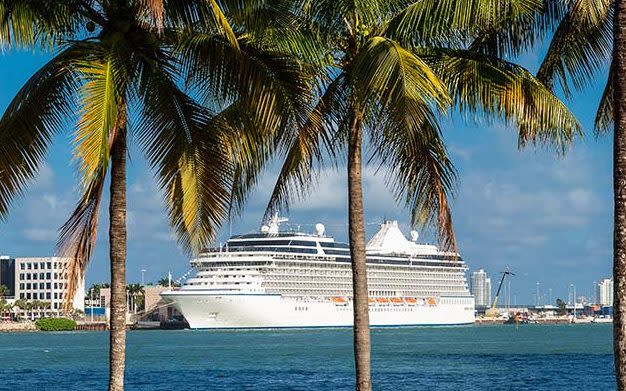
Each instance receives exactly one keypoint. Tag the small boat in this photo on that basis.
(431, 301)
(371, 301)
(382, 300)
(410, 300)
(397, 300)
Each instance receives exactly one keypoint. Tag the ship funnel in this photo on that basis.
(320, 229)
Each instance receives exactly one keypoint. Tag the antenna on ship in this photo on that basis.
(169, 279)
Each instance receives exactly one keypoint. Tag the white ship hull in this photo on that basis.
(208, 310)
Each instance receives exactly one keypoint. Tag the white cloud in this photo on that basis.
(40, 234)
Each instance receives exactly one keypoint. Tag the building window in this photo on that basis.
(56, 286)
(48, 276)
(42, 276)
(28, 276)
(28, 286)
(29, 266)
(21, 295)
(22, 286)
(48, 295)
(48, 285)
(41, 285)
(34, 276)
(56, 295)
(35, 265)
(22, 266)
(49, 265)
(28, 296)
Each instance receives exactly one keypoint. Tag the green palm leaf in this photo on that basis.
(32, 119)
(482, 84)
(580, 45)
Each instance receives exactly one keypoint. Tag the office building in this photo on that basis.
(605, 292)
(44, 279)
(480, 285)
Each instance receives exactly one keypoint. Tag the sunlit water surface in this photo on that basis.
(531, 357)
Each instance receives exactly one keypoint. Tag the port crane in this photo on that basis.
(493, 311)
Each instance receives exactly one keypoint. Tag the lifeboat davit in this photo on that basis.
(410, 300)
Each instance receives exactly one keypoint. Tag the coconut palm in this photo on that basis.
(395, 66)
(134, 290)
(4, 291)
(111, 56)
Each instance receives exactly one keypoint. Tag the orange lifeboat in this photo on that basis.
(397, 300)
(371, 301)
(431, 301)
(382, 300)
(339, 300)
(410, 300)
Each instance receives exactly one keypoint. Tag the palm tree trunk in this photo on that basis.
(357, 250)
(117, 253)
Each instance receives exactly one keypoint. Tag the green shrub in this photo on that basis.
(55, 324)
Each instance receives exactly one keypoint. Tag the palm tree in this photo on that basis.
(4, 291)
(394, 66)
(619, 189)
(114, 55)
(134, 290)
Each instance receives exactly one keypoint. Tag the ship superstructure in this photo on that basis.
(293, 279)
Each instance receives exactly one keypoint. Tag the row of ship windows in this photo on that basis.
(335, 272)
(41, 276)
(333, 277)
(380, 309)
(42, 285)
(346, 292)
(372, 283)
(41, 265)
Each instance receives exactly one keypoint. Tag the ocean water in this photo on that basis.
(530, 357)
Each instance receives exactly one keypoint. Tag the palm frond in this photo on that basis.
(580, 45)
(276, 87)
(481, 84)
(604, 116)
(405, 95)
(28, 23)
(101, 108)
(396, 82)
(420, 174)
(77, 236)
(35, 115)
(437, 22)
(189, 157)
(309, 145)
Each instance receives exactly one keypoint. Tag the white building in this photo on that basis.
(43, 279)
(480, 286)
(605, 292)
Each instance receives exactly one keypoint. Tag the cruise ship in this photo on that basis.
(286, 279)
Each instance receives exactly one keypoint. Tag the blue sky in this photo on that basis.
(546, 217)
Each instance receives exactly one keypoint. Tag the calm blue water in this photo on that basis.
(533, 357)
